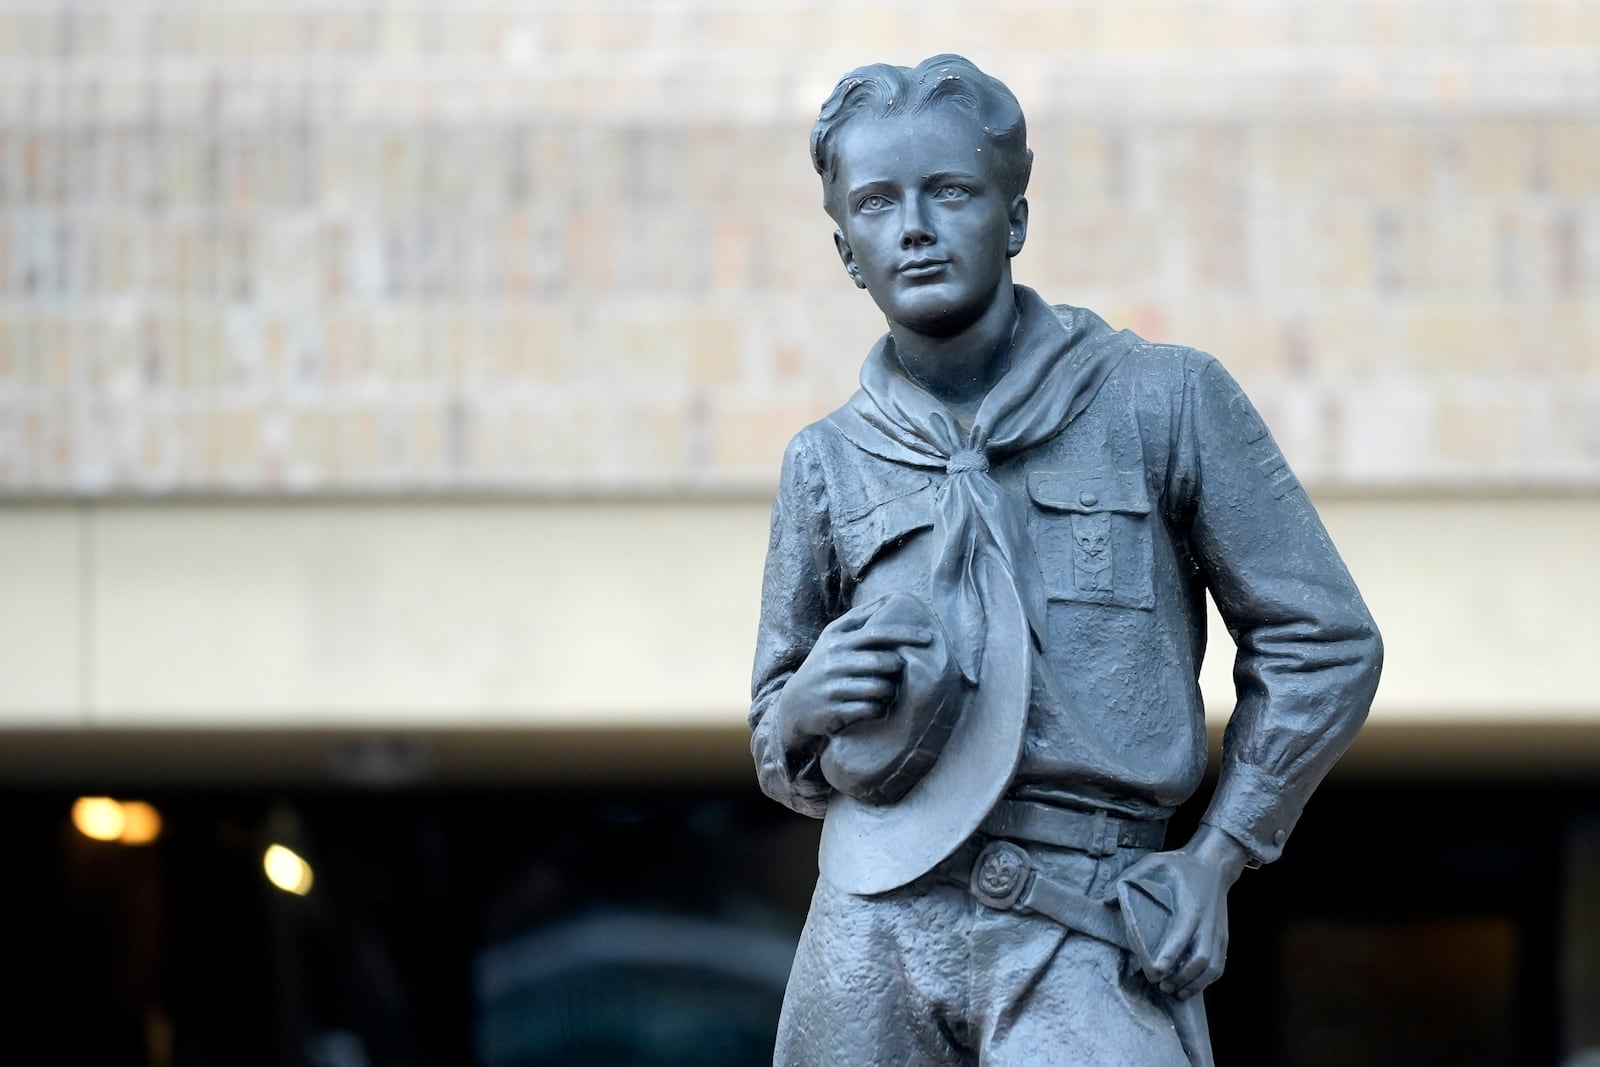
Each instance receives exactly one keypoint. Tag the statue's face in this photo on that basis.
(925, 226)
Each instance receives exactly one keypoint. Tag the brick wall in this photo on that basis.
(344, 246)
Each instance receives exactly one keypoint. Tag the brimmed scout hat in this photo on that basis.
(911, 787)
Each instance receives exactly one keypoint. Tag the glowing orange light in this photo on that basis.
(131, 822)
(99, 817)
(142, 823)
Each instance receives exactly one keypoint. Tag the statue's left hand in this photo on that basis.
(1194, 948)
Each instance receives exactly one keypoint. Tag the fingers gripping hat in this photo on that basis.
(879, 760)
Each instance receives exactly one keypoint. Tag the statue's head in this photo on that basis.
(924, 170)
(882, 91)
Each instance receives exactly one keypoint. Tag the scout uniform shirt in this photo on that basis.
(1156, 481)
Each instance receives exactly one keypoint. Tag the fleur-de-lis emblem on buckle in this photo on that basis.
(1000, 874)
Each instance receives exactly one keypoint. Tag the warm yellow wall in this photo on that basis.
(642, 614)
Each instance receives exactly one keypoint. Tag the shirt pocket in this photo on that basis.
(1091, 533)
(867, 532)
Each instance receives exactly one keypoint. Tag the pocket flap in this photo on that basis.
(1088, 492)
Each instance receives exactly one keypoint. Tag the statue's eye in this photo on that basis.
(872, 202)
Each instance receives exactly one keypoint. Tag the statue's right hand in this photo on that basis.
(849, 677)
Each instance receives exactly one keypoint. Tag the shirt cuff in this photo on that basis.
(1252, 808)
(800, 788)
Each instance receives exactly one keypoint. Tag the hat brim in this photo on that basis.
(874, 848)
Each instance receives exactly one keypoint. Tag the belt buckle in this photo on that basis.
(1000, 874)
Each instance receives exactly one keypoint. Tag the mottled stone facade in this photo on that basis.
(541, 247)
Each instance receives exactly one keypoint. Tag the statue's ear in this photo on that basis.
(849, 258)
(1019, 225)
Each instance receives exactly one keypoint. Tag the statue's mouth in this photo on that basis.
(923, 268)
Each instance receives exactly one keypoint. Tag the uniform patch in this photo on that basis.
(1262, 449)
(1275, 469)
(1091, 554)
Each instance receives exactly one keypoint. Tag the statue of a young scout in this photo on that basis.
(982, 623)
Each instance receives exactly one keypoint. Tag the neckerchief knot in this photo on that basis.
(966, 461)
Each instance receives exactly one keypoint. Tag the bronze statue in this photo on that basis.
(982, 624)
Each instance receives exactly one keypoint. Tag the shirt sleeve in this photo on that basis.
(798, 595)
(1308, 652)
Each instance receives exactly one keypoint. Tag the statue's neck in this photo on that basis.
(961, 368)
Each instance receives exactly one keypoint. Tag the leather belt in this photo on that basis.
(1001, 875)
(1098, 833)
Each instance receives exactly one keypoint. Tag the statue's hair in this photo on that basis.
(881, 90)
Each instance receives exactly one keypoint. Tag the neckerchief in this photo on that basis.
(981, 549)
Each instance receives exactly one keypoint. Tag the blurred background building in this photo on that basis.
(391, 394)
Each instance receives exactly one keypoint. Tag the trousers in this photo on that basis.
(927, 974)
